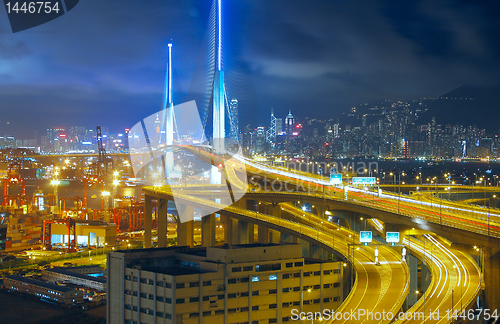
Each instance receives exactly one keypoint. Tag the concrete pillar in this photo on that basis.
(320, 211)
(274, 236)
(228, 229)
(234, 231)
(185, 225)
(162, 223)
(245, 232)
(208, 230)
(275, 210)
(412, 295)
(491, 278)
(251, 233)
(147, 221)
(425, 276)
(185, 233)
(263, 234)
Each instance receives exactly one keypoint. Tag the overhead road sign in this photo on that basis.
(365, 236)
(364, 181)
(336, 178)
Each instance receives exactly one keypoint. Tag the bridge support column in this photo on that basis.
(251, 233)
(185, 233)
(492, 278)
(425, 276)
(412, 295)
(320, 211)
(185, 225)
(162, 222)
(208, 230)
(228, 229)
(245, 232)
(275, 210)
(274, 236)
(148, 211)
(263, 234)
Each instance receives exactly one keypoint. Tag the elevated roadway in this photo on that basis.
(456, 278)
(377, 287)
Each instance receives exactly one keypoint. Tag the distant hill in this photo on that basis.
(466, 105)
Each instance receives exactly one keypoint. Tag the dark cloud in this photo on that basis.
(13, 50)
(105, 63)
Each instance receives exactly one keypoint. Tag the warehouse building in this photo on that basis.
(45, 290)
(229, 284)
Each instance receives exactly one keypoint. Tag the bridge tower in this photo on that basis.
(219, 92)
(169, 117)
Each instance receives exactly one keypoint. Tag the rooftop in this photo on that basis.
(65, 271)
(39, 283)
(177, 261)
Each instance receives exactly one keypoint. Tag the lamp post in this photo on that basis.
(399, 188)
(452, 305)
(461, 291)
(116, 182)
(489, 203)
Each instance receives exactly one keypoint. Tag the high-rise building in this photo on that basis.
(54, 136)
(7, 142)
(234, 120)
(3, 236)
(289, 123)
(253, 283)
(279, 126)
(260, 142)
(271, 131)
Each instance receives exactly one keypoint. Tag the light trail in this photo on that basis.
(327, 183)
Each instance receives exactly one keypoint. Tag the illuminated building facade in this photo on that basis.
(239, 284)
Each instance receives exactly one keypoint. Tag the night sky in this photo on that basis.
(104, 61)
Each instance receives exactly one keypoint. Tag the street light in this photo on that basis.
(56, 183)
(399, 187)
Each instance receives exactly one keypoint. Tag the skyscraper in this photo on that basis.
(289, 123)
(233, 119)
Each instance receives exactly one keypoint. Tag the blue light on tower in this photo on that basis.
(219, 92)
(169, 76)
(220, 36)
(169, 117)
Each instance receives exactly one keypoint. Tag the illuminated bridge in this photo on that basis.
(442, 236)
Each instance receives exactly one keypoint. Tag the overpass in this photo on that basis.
(377, 288)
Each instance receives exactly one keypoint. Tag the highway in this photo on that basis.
(376, 287)
(392, 272)
(456, 281)
(469, 219)
(379, 288)
(455, 275)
